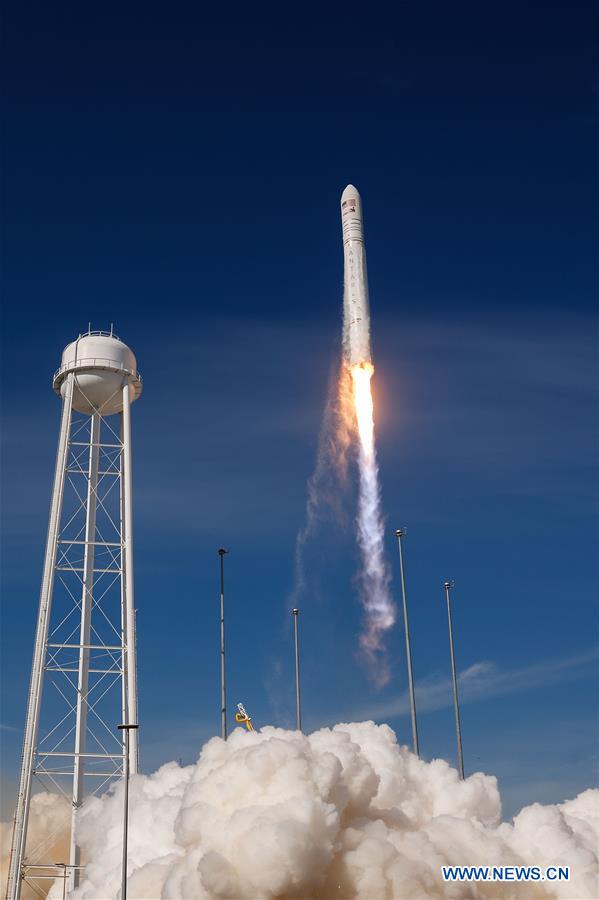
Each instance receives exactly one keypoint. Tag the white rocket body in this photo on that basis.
(356, 310)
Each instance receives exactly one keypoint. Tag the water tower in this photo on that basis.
(83, 676)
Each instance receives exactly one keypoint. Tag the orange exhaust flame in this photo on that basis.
(364, 407)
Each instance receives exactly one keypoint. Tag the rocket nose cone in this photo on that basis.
(350, 191)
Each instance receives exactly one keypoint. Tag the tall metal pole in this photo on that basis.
(17, 852)
(223, 683)
(298, 704)
(448, 586)
(126, 729)
(401, 532)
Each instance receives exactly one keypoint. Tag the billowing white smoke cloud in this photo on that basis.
(344, 812)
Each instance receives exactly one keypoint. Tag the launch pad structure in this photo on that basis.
(84, 673)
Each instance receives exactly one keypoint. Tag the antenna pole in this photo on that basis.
(298, 705)
(126, 729)
(448, 586)
(401, 532)
(223, 684)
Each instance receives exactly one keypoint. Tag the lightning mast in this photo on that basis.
(85, 638)
(447, 585)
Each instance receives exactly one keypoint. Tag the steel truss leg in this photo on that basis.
(85, 634)
(13, 890)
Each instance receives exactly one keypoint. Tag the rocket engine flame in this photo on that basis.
(361, 376)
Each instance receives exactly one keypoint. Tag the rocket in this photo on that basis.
(356, 310)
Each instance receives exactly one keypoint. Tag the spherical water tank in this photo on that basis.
(102, 365)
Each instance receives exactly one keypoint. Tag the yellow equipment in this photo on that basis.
(242, 717)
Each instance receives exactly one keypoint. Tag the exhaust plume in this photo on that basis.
(47, 840)
(374, 576)
(348, 428)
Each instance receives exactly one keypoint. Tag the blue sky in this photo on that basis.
(177, 172)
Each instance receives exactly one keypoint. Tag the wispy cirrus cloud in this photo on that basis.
(482, 681)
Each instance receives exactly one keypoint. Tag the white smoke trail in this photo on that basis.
(327, 484)
(376, 599)
(343, 812)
